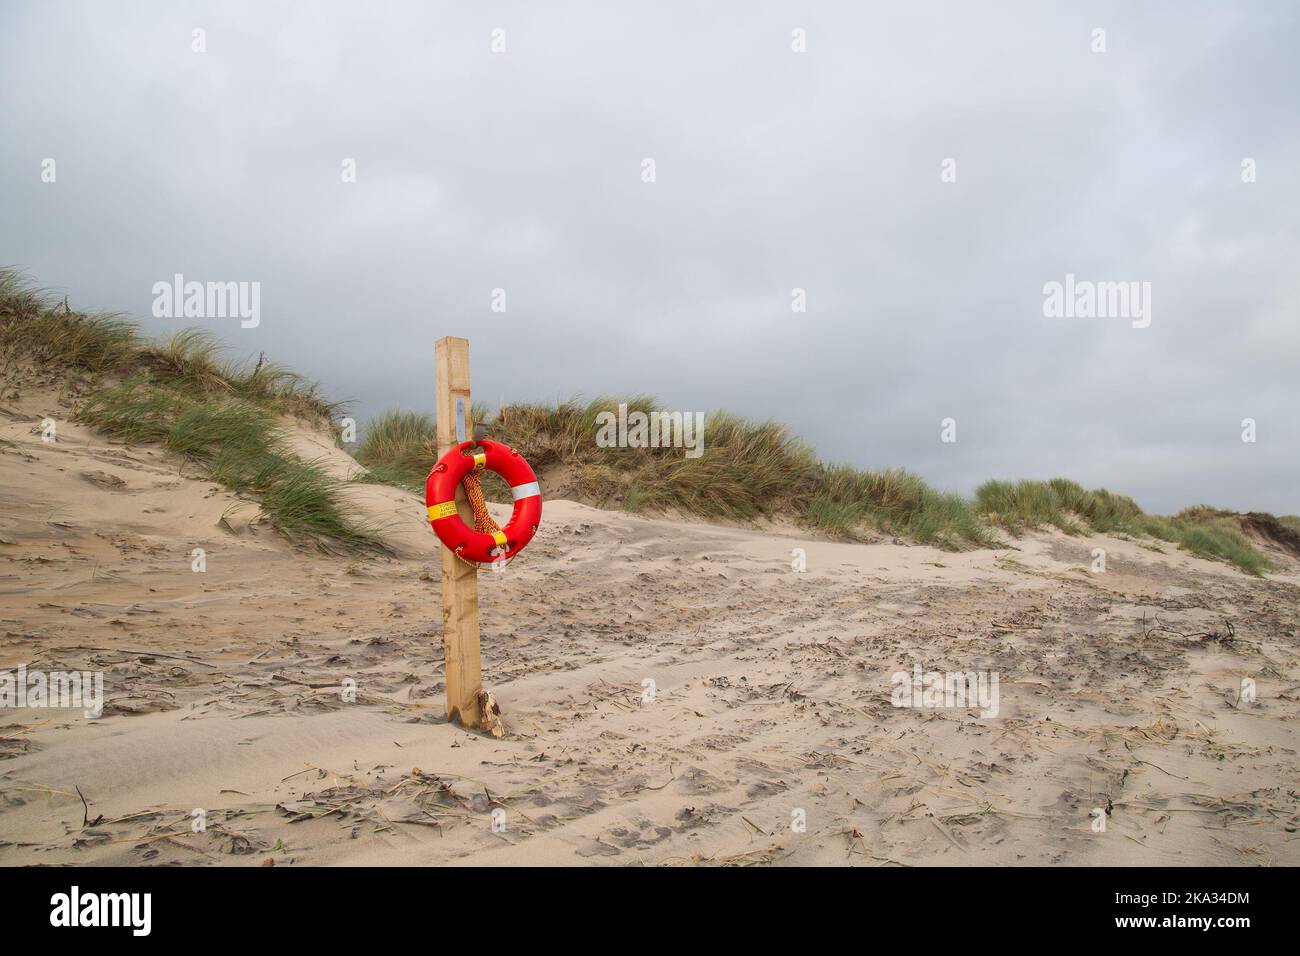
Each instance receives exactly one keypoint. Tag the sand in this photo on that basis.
(228, 737)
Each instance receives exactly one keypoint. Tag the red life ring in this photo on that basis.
(440, 499)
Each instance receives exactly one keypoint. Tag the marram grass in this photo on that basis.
(238, 443)
(750, 470)
(183, 394)
(1065, 504)
(33, 324)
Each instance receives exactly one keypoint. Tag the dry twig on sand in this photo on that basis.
(1225, 636)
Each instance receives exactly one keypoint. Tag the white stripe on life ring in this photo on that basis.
(525, 491)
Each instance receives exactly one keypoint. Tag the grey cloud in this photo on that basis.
(775, 171)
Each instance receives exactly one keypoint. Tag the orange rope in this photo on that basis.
(474, 492)
(482, 518)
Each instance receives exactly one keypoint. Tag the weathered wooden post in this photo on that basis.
(459, 578)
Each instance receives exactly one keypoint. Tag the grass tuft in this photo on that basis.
(1065, 504)
(239, 444)
(399, 448)
(35, 325)
(894, 502)
(748, 470)
(182, 394)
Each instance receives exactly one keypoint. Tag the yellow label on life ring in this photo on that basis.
(444, 509)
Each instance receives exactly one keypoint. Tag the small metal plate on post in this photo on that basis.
(460, 420)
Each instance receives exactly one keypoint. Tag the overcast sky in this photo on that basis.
(774, 170)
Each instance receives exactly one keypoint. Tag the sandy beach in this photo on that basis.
(674, 693)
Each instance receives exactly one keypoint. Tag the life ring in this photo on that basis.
(440, 498)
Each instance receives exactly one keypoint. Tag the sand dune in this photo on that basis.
(772, 689)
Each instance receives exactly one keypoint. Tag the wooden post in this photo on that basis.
(459, 578)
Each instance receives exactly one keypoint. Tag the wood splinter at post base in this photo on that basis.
(490, 715)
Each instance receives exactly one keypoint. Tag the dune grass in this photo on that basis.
(1065, 504)
(1210, 533)
(748, 470)
(1060, 503)
(183, 393)
(1290, 525)
(35, 325)
(398, 448)
(238, 443)
(32, 323)
(894, 502)
(752, 470)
